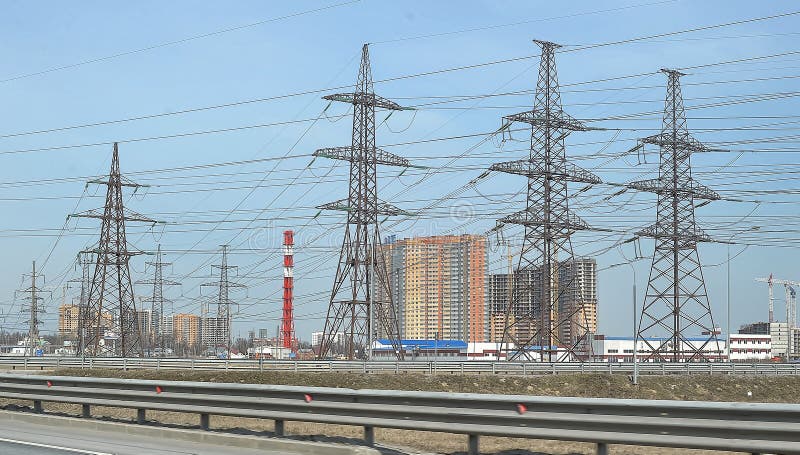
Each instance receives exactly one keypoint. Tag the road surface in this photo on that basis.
(35, 435)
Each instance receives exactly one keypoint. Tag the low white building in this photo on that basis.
(620, 349)
(750, 347)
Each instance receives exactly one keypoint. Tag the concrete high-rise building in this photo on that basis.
(167, 326)
(214, 332)
(438, 285)
(68, 315)
(577, 282)
(68, 320)
(186, 329)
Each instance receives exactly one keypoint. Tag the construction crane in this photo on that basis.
(791, 299)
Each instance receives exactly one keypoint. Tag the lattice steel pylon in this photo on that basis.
(676, 302)
(34, 308)
(110, 306)
(224, 321)
(362, 268)
(155, 339)
(536, 322)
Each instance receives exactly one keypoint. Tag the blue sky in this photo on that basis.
(205, 202)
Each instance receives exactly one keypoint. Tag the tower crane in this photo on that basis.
(791, 299)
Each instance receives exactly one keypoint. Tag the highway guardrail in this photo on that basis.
(738, 427)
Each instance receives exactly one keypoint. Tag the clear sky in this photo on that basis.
(66, 63)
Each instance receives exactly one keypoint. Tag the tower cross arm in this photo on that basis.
(659, 186)
(570, 222)
(553, 119)
(129, 215)
(367, 99)
(690, 236)
(562, 171)
(348, 153)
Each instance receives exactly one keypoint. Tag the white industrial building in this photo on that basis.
(620, 349)
(750, 347)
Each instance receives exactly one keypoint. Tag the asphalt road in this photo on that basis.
(15, 448)
(29, 438)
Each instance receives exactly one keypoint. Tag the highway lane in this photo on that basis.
(14, 447)
(68, 437)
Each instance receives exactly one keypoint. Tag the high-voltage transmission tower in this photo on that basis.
(537, 322)
(85, 262)
(222, 325)
(33, 308)
(155, 339)
(360, 297)
(110, 314)
(676, 305)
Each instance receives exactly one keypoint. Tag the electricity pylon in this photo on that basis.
(110, 306)
(676, 303)
(33, 308)
(223, 324)
(155, 338)
(361, 275)
(537, 323)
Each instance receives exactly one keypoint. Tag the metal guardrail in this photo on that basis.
(441, 367)
(738, 427)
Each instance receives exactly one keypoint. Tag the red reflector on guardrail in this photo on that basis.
(49, 384)
(159, 389)
(307, 397)
(522, 409)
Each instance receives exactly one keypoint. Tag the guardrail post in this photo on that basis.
(364, 370)
(37, 406)
(205, 421)
(602, 448)
(493, 364)
(26, 363)
(58, 362)
(140, 416)
(125, 364)
(663, 369)
(261, 364)
(191, 364)
(610, 365)
(369, 435)
(473, 445)
(462, 368)
(86, 411)
(295, 366)
(396, 367)
(158, 363)
(280, 428)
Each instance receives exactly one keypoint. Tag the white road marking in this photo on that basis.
(47, 446)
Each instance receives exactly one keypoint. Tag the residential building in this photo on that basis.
(438, 285)
(577, 296)
(167, 326)
(68, 317)
(214, 332)
(186, 329)
(69, 320)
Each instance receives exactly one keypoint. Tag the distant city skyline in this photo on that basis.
(243, 173)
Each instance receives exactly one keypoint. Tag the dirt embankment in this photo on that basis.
(767, 389)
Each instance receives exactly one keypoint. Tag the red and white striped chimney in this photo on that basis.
(287, 322)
